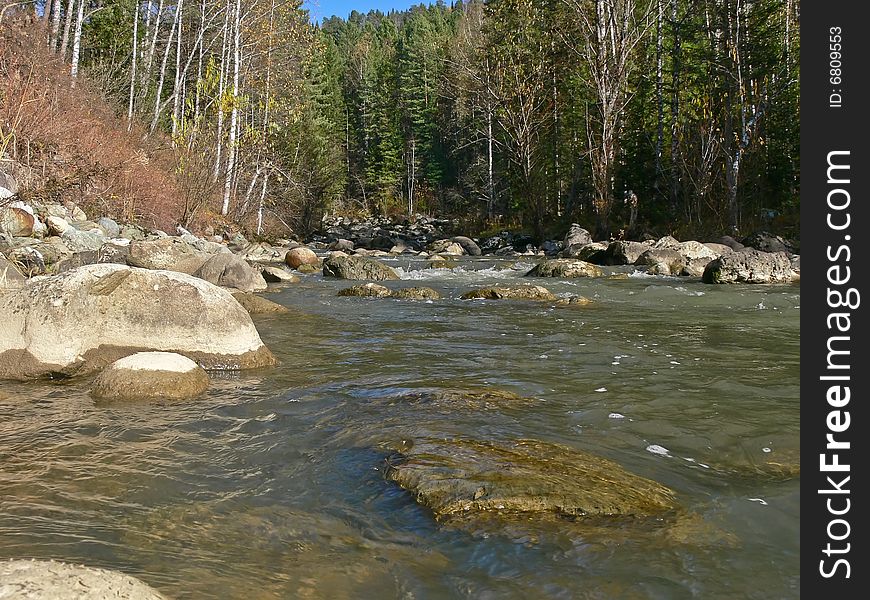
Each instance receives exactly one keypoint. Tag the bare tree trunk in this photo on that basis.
(176, 88)
(221, 91)
(70, 5)
(149, 60)
(157, 103)
(135, 59)
(262, 204)
(234, 114)
(55, 24)
(77, 42)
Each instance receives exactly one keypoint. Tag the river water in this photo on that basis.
(272, 485)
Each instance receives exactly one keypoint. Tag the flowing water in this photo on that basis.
(272, 485)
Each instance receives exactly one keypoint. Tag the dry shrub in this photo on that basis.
(73, 140)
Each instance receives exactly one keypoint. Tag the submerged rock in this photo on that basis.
(416, 293)
(82, 320)
(52, 580)
(357, 268)
(514, 292)
(565, 267)
(575, 302)
(151, 376)
(487, 399)
(750, 266)
(462, 480)
(366, 290)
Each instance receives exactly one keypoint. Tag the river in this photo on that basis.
(272, 484)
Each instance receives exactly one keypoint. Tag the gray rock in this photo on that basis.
(750, 266)
(342, 245)
(624, 253)
(416, 293)
(727, 240)
(278, 275)
(169, 254)
(366, 290)
(565, 267)
(109, 226)
(357, 268)
(468, 245)
(256, 305)
(10, 276)
(79, 241)
(52, 580)
(577, 237)
(667, 261)
(513, 292)
(767, 242)
(80, 321)
(228, 270)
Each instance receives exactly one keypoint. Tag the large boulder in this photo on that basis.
(357, 268)
(52, 580)
(697, 256)
(278, 275)
(464, 482)
(768, 242)
(80, 321)
(167, 254)
(16, 222)
(264, 253)
(109, 226)
(511, 292)
(622, 252)
(565, 267)
(750, 266)
(470, 246)
(297, 257)
(577, 237)
(79, 240)
(667, 261)
(594, 252)
(10, 276)
(228, 270)
(151, 376)
(446, 247)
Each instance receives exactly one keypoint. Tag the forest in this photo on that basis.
(678, 117)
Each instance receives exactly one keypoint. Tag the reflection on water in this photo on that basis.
(272, 486)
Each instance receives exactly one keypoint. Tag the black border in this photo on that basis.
(825, 129)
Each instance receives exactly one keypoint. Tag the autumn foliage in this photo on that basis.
(72, 141)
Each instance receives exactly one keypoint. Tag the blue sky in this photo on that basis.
(326, 8)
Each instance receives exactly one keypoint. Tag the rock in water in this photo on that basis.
(52, 580)
(151, 376)
(366, 290)
(86, 318)
(278, 275)
(577, 237)
(470, 246)
(228, 270)
(514, 292)
(416, 293)
(624, 253)
(462, 480)
(357, 268)
(565, 267)
(750, 266)
(301, 256)
(255, 305)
